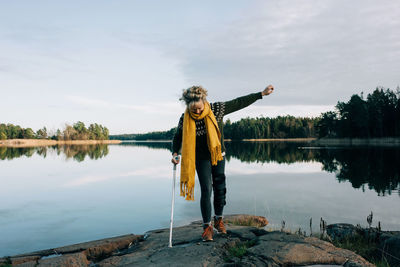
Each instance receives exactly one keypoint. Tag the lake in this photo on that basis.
(56, 196)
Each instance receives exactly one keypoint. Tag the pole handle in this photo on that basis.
(175, 158)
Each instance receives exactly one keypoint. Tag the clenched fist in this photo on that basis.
(268, 90)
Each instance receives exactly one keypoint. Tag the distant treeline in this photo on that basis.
(264, 127)
(376, 116)
(165, 135)
(77, 131)
(248, 128)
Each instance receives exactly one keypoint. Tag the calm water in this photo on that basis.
(59, 196)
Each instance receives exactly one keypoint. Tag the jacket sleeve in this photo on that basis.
(177, 140)
(239, 103)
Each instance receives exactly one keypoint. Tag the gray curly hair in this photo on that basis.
(193, 94)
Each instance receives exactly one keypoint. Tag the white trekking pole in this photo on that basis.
(172, 205)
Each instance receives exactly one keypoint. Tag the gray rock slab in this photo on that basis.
(242, 246)
(268, 249)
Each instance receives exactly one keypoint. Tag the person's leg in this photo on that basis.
(219, 187)
(203, 168)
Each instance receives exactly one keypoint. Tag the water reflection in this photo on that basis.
(265, 152)
(150, 144)
(76, 152)
(66, 201)
(375, 167)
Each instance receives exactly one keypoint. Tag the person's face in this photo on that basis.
(197, 107)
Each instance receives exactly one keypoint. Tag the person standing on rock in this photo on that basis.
(200, 139)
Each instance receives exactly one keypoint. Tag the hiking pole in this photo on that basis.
(172, 204)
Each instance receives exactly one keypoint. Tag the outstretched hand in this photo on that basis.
(268, 90)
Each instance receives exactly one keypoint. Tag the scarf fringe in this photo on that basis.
(187, 191)
(216, 155)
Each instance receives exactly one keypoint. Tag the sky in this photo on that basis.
(124, 64)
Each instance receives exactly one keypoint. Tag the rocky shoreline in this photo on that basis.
(244, 245)
(46, 142)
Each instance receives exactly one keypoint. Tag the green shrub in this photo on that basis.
(239, 250)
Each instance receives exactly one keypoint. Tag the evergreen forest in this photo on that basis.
(377, 115)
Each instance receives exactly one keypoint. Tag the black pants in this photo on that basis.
(212, 178)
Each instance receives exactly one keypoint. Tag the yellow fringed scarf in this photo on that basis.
(188, 167)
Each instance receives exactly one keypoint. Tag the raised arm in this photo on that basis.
(244, 101)
(241, 102)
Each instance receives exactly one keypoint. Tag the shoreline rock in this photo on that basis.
(385, 244)
(382, 141)
(244, 245)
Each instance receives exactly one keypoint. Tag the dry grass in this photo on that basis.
(45, 142)
(247, 220)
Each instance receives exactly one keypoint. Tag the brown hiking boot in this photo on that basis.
(219, 225)
(208, 233)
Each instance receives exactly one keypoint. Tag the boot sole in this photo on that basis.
(218, 232)
(205, 240)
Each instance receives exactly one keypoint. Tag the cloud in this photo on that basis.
(147, 108)
(88, 102)
(137, 59)
(314, 52)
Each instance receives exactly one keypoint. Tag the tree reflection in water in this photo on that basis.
(377, 168)
(75, 152)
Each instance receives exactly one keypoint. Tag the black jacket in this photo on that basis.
(220, 109)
